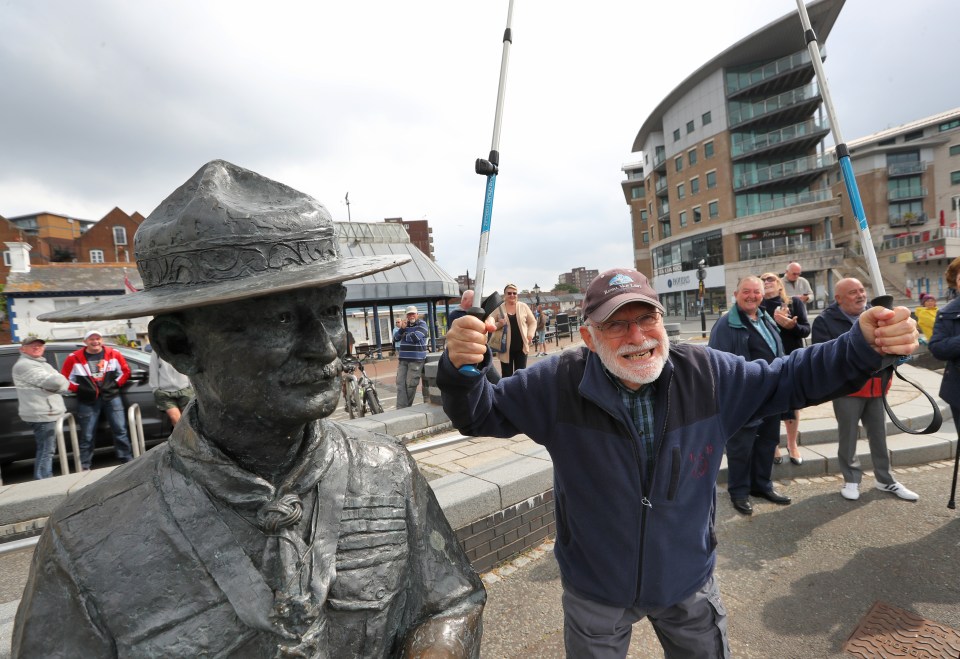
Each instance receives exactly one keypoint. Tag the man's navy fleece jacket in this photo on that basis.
(623, 539)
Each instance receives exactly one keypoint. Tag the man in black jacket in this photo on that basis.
(747, 330)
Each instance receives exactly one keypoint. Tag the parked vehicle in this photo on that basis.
(361, 391)
(16, 436)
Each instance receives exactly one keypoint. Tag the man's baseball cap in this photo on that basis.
(92, 333)
(612, 289)
(411, 309)
(31, 339)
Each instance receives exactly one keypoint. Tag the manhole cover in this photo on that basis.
(887, 631)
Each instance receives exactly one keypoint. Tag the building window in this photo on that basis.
(954, 178)
(665, 230)
(949, 125)
(694, 185)
(955, 150)
(711, 180)
(678, 163)
(676, 135)
(697, 216)
(913, 135)
(692, 157)
(681, 191)
(119, 235)
(683, 218)
(646, 238)
(708, 149)
(636, 193)
(96, 256)
(713, 208)
(706, 118)
(65, 303)
(643, 216)
(689, 127)
(7, 261)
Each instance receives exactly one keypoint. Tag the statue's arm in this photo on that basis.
(448, 591)
(55, 617)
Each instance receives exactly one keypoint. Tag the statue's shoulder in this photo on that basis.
(134, 480)
(372, 447)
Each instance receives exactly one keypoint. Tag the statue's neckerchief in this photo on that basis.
(300, 572)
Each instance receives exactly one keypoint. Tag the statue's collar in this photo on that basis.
(225, 480)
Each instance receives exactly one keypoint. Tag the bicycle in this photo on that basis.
(360, 392)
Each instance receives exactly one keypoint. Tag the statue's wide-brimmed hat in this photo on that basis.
(230, 234)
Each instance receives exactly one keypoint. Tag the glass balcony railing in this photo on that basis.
(739, 112)
(912, 192)
(661, 185)
(906, 168)
(754, 205)
(663, 211)
(780, 171)
(752, 251)
(743, 143)
(741, 80)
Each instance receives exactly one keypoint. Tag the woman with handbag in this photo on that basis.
(516, 326)
(790, 314)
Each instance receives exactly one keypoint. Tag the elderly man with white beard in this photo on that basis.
(636, 429)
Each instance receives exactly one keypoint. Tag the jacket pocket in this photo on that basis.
(675, 464)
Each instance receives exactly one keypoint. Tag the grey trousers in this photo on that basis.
(408, 377)
(850, 411)
(695, 628)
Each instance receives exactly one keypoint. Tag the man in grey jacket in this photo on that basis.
(38, 390)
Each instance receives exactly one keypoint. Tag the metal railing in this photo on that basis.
(739, 113)
(135, 428)
(61, 444)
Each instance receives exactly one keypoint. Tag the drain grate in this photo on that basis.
(887, 631)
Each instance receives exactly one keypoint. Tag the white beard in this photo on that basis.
(642, 372)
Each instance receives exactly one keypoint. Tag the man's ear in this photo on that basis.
(587, 337)
(171, 340)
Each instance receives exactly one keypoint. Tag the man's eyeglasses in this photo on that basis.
(614, 329)
(510, 293)
(769, 279)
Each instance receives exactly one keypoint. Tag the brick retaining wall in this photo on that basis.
(508, 532)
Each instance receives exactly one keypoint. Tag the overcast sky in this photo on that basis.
(110, 103)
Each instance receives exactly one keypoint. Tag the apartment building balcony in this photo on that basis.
(663, 211)
(906, 169)
(660, 188)
(789, 71)
(907, 220)
(800, 137)
(747, 205)
(799, 172)
(660, 160)
(789, 107)
(900, 194)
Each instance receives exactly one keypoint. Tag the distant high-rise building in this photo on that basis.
(579, 277)
(420, 232)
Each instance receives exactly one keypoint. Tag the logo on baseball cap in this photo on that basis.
(612, 289)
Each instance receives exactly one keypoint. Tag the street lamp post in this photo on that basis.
(536, 293)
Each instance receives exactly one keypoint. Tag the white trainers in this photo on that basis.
(899, 490)
(850, 491)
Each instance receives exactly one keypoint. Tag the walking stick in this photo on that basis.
(956, 465)
(489, 168)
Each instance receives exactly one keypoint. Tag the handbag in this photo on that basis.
(497, 341)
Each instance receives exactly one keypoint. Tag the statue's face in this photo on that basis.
(275, 357)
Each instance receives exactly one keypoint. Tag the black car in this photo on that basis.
(16, 436)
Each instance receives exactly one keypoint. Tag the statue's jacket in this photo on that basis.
(168, 556)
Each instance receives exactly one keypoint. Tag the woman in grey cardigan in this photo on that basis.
(38, 391)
